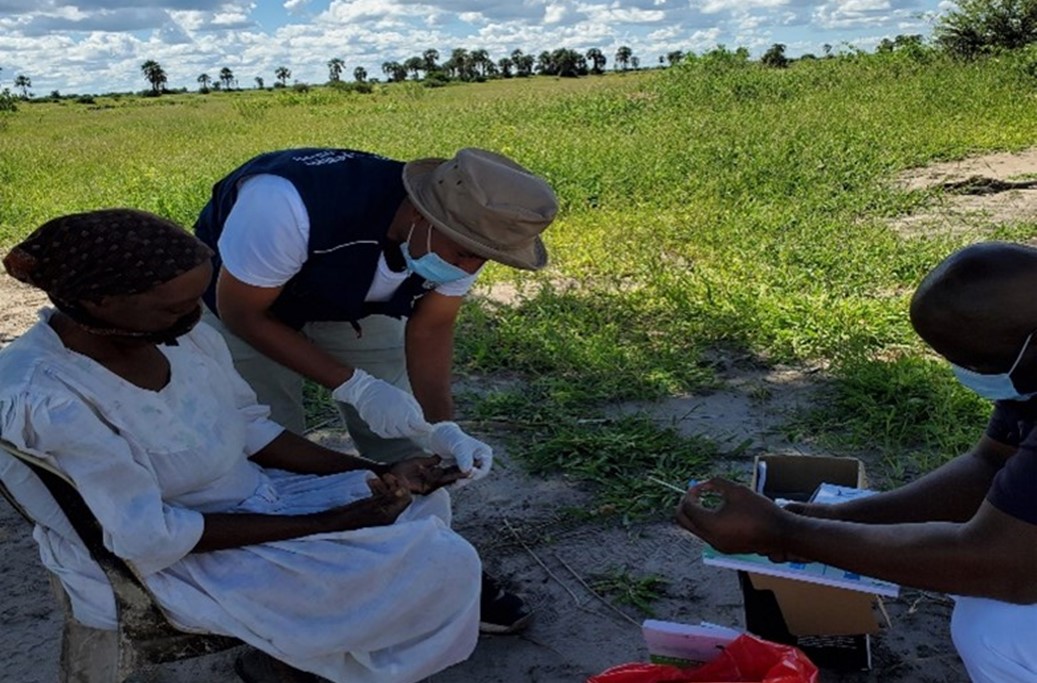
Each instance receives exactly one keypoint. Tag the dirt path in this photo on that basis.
(979, 194)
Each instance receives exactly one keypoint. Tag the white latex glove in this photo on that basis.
(391, 413)
(472, 456)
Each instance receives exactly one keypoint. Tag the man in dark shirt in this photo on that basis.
(969, 528)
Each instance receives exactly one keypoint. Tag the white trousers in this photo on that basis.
(996, 640)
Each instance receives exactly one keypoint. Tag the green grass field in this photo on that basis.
(711, 206)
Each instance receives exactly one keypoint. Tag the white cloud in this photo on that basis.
(635, 16)
(714, 6)
(98, 45)
(861, 6)
(346, 11)
(230, 19)
(842, 14)
(172, 33)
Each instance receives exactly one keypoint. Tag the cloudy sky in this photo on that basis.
(90, 46)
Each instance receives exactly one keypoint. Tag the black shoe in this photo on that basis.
(501, 612)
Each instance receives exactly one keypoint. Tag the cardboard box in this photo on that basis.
(831, 625)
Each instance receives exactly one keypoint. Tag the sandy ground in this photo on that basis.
(523, 529)
(524, 532)
(956, 212)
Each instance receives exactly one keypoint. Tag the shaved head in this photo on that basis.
(977, 307)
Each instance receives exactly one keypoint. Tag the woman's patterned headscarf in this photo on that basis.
(111, 252)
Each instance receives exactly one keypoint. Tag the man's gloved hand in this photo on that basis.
(390, 412)
(473, 457)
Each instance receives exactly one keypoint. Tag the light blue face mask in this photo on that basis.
(994, 387)
(430, 265)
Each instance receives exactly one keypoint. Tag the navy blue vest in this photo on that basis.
(351, 198)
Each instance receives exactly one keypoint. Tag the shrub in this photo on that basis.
(353, 86)
(435, 79)
(775, 57)
(8, 102)
(982, 26)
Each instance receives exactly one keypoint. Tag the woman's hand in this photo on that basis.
(389, 498)
(423, 475)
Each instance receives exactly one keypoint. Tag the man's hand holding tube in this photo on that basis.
(734, 519)
(391, 413)
(473, 457)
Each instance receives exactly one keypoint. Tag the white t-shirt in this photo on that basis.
(265, 238)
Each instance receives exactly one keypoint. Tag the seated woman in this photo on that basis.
(329, 563)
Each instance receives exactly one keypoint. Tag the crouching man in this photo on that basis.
(968, 528)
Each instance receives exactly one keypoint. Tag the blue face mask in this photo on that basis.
(430, 265)
(994, 387)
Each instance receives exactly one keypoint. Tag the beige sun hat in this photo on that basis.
(486, 203)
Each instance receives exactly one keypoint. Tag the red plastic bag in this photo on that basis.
(746, 660)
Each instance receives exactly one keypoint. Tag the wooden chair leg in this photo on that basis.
(88, 655)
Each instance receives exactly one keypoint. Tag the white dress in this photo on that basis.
(382, 604)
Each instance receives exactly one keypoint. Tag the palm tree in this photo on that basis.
(479, 60)
(414, 65)
(394, 71)
(24, 82)
(568, 63)
(460, 64)
(155, 75)
(524, 65)
(226, 77)
(259, 82)
(204, 80)
(430, 57)
(597, 59)
(360, 74)
(335, 67)
(283, 73)
(518, 59)
(623, 55)
(544, 64)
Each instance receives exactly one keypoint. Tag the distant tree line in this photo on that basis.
(462, 65)
(971, 29)
(477, 65)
